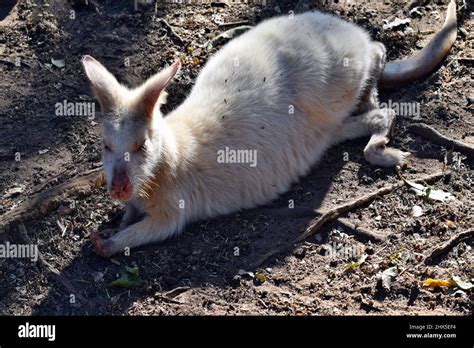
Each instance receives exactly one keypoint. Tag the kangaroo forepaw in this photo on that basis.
(103, 245)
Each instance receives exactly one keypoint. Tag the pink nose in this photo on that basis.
(121, 187)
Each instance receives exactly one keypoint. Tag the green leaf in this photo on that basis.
(427, 192)
(350, 266)
(354, 264)
(128, 279)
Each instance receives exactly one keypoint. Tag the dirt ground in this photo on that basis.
(209, 269)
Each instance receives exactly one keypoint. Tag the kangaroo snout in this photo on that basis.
(121, 187)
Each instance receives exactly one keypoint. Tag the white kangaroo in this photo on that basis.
(286, 90)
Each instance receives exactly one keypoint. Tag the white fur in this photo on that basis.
(313, 64)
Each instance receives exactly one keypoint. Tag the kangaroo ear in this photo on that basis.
(104, 85)
(152, 91)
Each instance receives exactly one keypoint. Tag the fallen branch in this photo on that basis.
(176, 291)
(231, 24)
(429, 133)
(41, 186)
(361, 232)
(465, 59)
(171, 31)
(416, 3)
(44, 202)
(14, 64)
(334, 213)
(446, 247)
(302, 212)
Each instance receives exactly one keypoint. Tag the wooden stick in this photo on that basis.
(451, 243)
(429, 133)
(48, 200)
(230, 24)
(302, 212)
(41, 186)
(334, 213)
(171, 31)
(465, 59)
(416, 3)
(362, 232)
(176, 291)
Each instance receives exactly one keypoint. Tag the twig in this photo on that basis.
(169, 299)
(362, 232)
(171, 31)
(446, 247)
(416, 3)
(176, 291)
(333, 214)
(14, 64)
(429, 133)
(230, 24)
(464, 59)
(82, 151)
(7, 62)
(40, 187)
(48, 200)
(301, 212)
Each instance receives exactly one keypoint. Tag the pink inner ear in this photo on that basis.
(88, 58)
(104, 84)
(155, 86)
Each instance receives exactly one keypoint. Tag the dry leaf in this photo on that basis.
(58, 63)
(429, 193)
(450, 224)
(397, 22)
(14, 191)
(436, 283)
(416, 211)
(462, 283)
(386, 277)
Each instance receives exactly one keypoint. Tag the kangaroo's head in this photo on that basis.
(132, 126)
